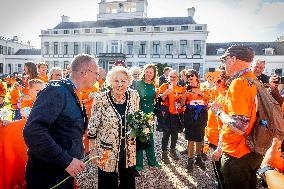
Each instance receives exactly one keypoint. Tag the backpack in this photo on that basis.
(269, 123)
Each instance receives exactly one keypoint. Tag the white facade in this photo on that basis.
(9, 62)
(180, 44)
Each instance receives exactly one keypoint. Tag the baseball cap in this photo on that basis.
(240, 51)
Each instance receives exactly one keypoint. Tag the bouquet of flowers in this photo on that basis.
(4, 113)
(140, 125)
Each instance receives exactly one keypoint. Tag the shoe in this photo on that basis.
(174, 155)
(165, 157)
(136, 173)
(200, 163)
(183, 152)
(190, 162)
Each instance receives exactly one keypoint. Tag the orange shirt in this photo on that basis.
(27, 102)
(85, 95)
(193, 99)
(2, 90)
(214, 124)
(173, 98)
(240, 100)
(43, 78)
(14, 98)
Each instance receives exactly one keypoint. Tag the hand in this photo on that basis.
(186, 94)
(75, 167)
(273, 156)
(273, 81)
(215, 106)
(216, 155)
(168, 91)
(6, 122)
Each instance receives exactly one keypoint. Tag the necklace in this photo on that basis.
(118, 101)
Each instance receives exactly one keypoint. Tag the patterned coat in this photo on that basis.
(103, 127)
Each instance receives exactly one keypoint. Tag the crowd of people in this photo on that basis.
(79, 113)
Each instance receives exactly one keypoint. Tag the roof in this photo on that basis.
(116, 23)
(258, 47)
(28, 52)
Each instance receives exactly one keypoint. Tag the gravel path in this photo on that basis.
(173, 176)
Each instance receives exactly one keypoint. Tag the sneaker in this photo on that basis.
(174, 155)
(165, 157)
(200, 163)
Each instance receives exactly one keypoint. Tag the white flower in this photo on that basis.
(146, 130)
(5, 113)
(26, 112)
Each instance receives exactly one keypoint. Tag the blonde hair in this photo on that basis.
(153, 66)
(114, 71)
(35, 81)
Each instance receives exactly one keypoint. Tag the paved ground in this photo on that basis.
(173, 176)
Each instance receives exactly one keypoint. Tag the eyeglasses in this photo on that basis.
(226, 58)
(97, 73)
(191, 75)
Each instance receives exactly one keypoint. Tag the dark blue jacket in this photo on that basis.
(55, 127)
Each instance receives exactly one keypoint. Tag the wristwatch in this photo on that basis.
(262, 171)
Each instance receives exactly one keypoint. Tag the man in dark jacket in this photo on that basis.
(55, 128)
(164, 78)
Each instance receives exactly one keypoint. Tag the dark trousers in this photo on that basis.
(44, 177)
(240, 172)
(217, 169)
(109, 180)
(165, 140)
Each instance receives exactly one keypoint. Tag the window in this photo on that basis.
(99, 30)
(169, 48)
(269, 51)
(65, 50)
(197, 47)
(156, 29)
(129, 29)
(99, 47)
(220, 51)
(76, 48)
(87, 49)
(142, 49)
(278, 72)
(170, 28)
(130, 47)
(66, 63)
(183, 28)
(56, 64)
(142, 29)
(1, 50)
(114, 47)
(66, 31)
(87, 30)
(196, 66)
(55, 32)
(211, 69)
(156, 47)
(198, 27)
(9, 50)
(76, 32)
(1, 67)
(55, 50)
(9, 68)
(183, 47)
(20, 68)
(46, 48)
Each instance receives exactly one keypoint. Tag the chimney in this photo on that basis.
(65, 18)
(15, 38)
(190, 12)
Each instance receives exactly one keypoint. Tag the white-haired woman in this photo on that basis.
(55, 73)
(136, 72)
(108, 128)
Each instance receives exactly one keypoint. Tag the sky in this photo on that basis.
(227, 20)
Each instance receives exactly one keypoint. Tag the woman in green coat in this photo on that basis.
(147, 92)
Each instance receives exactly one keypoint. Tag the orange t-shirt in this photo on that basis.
(43, 78)
(240, 100)
(27, 102)
(14, 98)
(214, 124)
(85, 95)
(2, 90)
(173, 98)
(193, 99)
